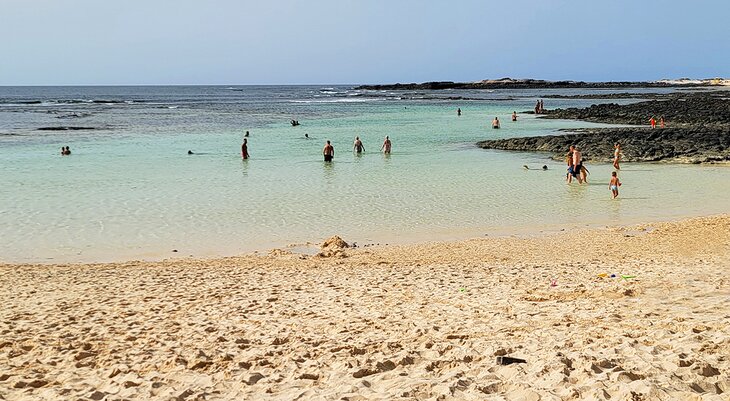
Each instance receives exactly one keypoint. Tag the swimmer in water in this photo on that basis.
(358, 147)
(246, 135)
(514, 116)
(244, 149)
(495, 123)
(328, 151)
(386, 145)
(458, 111)
(190, 152)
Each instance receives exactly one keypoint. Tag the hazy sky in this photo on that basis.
(55, 42)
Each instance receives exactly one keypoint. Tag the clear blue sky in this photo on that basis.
(56, 42)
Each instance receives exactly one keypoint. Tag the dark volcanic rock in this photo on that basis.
(695, 144)
(507, 83)
(622, 95)
(698, 131)
(683, 108)
(64, 128)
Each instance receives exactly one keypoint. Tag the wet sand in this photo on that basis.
(395, 322)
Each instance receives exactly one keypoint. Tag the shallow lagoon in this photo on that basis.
(130, 191)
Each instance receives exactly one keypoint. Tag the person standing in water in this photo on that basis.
(246, 135)
(577, 164)
(583, 173)
(616, 155)
(652, 122)
(328, 152)
(458, 112)
(614, 184)
(244, 149)
(495, 123)
(514, 116)
(358, 147)
(537, 107)
(386, 145)
(661, 122)
(569, 162)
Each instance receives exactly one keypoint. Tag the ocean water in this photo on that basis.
(131, 191)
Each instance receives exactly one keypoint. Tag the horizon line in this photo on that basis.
(354, 84)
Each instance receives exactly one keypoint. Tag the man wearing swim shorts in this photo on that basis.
(328, 151)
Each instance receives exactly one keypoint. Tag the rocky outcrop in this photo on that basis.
(698, 131)
(697, 144)
(621, 95)
(682, 108)
(509, 83)
(64, 128)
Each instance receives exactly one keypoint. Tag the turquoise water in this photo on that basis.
(130, 191)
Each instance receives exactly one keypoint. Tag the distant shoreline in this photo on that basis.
(509, 83)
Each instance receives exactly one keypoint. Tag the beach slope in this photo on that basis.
(399, 322)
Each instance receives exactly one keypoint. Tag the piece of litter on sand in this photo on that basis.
(553, 283)
(625, 277)
(506, 360)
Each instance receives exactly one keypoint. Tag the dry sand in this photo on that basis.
(399, 322)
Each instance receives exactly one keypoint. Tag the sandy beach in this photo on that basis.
(419, 322)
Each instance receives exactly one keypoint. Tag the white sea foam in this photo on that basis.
(342, 100)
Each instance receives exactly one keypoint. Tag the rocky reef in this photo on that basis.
(683, 145)
(698, 131)
(64, 128)
(509, 83)
(681, 108)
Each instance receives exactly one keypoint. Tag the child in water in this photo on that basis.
(614, 184)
